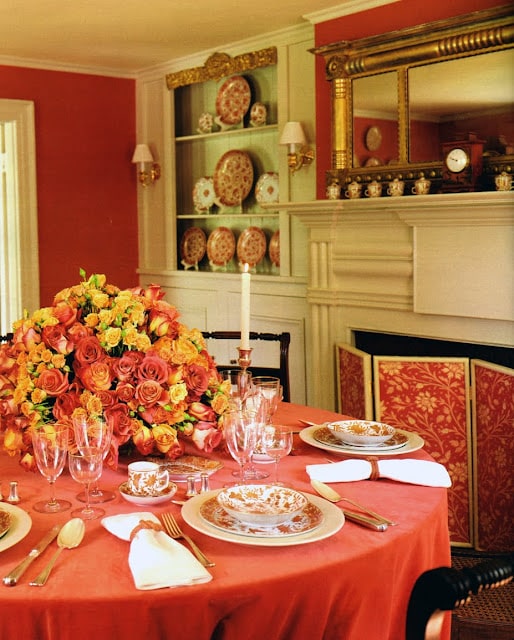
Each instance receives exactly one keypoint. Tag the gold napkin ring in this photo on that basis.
(145, 524)
(375, 473)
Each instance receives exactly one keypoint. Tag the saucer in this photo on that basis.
(163, 496)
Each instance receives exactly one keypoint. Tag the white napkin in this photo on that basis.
(430, 474)
(155, 559)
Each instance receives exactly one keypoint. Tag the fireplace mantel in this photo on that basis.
(436, 266)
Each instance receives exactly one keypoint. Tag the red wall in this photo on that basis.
(398, 15)
(86, 184)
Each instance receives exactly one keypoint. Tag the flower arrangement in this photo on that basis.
(121, 353)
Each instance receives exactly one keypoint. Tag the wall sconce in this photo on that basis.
(293, 135)
(143, 156)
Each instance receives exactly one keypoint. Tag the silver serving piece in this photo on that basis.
(11, 579)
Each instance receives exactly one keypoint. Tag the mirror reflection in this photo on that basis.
(375, 120)
(448, 99)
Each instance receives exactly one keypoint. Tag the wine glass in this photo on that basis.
(241, 429)
(277, 442)
(267, 393)
(240, 386)
(94, 432)
(86, 467)
(50, 444)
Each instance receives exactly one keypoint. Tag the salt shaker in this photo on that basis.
(13, 496)
(204, 482)
(191, 487)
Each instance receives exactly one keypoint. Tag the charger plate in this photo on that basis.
(316, 437)
(332, 522)
(20, 525)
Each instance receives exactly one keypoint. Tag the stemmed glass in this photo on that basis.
(277, 442)
(240, 386)
(50, 445)
(94, 432)
(267, 393)
(86, 467)
(241, 430)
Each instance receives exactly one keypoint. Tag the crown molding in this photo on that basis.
(346, 9)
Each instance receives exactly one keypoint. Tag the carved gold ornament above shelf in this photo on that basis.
(220, 65)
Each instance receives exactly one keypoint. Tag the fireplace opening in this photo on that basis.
(389, 344)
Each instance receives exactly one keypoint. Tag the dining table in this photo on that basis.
(353, 583)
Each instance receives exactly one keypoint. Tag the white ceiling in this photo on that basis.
(132, 35)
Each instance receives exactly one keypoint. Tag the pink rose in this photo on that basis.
(55, 338)
(154, 368)
(126, 366)
(53, 381)
(205, 437)
(163, 319)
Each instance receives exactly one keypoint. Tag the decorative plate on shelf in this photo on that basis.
(233, 100)
(373, 138)
(233, 178)
(204, 194)
(193, 245)
(221, 246)
(266, 189)
(251, 246)
(274, 249)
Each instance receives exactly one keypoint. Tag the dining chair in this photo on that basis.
(449, 589)
(7, 338)
(280, 371)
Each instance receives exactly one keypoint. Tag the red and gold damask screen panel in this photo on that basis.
(493, 446)
(430, 396)
(354, 382)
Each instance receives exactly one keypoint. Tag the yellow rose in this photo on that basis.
(92, 320)
(165, 437)
(99, 299)
(111, 337)
(178, 392)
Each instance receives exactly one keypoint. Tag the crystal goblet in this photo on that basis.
(50, 444)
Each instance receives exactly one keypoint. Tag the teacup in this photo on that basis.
(421, 186)
(353, 190)
(396, 187)
(503, 181)
(333, 191)
(146, 478)
(374, 189)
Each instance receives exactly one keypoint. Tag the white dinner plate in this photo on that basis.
(20, 526)
(414, 442)
(333, 520)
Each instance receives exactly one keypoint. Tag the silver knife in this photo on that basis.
(11, 579)
(370, 523)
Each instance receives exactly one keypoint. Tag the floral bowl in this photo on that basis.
(361, 432)
(262, 505)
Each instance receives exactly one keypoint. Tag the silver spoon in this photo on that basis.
(70, 536)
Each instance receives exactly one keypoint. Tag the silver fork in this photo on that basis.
(175, 532)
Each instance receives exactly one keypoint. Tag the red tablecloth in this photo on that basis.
(354, 585)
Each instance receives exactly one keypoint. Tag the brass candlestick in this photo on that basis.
(245, 358)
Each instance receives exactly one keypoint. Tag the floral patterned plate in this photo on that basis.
(331, 521)
(193, 245)
(233, 178)
(233, 100)
(266, 189)
(251, 246)
(203, 194)
(145, 501)
(221, 246)
(274, 249)
(320, 437)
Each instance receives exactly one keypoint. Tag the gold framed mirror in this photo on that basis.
(398, 96)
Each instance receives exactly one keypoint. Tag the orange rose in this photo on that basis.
(53, 381)
(56, 339)
(150, 392)
(165, 437)
(153, 368)
(143, 440)
(96, 377)
(197, 380)
(88, 350)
